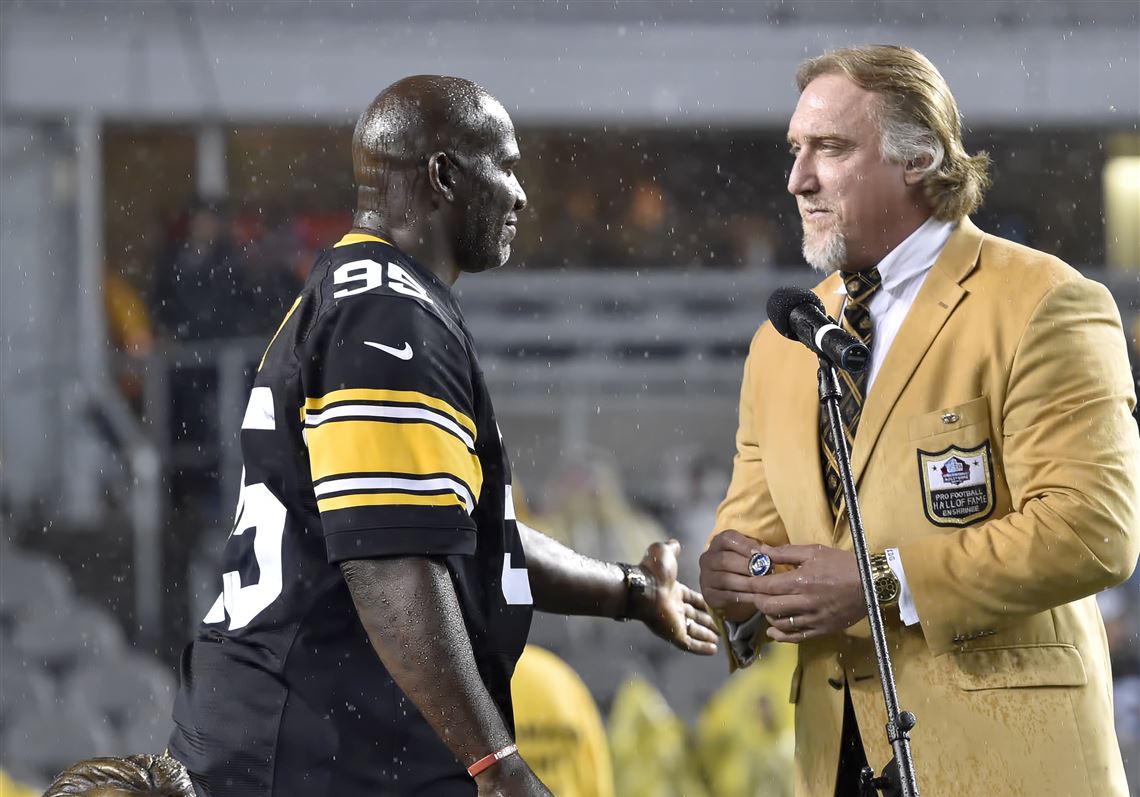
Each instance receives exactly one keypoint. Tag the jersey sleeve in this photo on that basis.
(388, 420)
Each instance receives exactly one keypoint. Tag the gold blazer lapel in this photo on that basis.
(936, 300)
(804, 424)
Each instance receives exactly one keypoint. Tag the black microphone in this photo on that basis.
(799, 315)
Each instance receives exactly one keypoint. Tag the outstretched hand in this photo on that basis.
(671, 610)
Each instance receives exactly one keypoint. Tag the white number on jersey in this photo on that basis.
(370, 274)
(258, 511)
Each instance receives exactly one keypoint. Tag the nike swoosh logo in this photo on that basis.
(404, 354)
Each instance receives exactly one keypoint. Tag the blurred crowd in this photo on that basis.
(220, 274)
(217, 275)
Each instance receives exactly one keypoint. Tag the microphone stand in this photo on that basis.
(900, 779)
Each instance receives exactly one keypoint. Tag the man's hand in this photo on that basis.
(725, 580)
(511, 777)
(669, 608)
(821, 595)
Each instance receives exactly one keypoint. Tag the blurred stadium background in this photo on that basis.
(654, 159)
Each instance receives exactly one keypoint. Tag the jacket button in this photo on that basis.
(835, 683)
(949, 417)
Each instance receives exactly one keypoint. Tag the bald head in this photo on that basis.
(417, 116)
(433, 158)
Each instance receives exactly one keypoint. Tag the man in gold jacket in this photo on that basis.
(997, 466)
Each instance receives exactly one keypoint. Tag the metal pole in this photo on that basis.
(899, 723)
(82, 492)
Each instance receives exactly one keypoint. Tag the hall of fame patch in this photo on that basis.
(957, 484)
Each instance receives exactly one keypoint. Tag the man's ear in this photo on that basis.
(916, 169)
(442, 175)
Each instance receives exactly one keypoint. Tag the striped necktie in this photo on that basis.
(861, 286)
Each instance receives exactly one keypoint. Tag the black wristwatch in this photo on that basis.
(636, 586)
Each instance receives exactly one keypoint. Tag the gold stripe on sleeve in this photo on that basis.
(387, 499)
(416, 449)
(404, 396)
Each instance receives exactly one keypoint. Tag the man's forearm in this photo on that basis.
(566, 582)
(409, 608)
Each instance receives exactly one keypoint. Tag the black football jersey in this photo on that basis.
(369, 432)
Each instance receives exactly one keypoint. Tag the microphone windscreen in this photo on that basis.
(781, 304)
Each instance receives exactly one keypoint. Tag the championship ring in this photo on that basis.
(759, 564)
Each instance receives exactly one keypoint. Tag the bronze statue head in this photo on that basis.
(132, 776)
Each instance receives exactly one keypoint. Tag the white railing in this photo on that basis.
(138, 494)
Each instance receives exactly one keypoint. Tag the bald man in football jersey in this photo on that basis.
(377, 588)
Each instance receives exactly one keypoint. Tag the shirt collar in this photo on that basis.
(914, 256)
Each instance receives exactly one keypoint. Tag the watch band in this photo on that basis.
(636, 585)
(887, 587)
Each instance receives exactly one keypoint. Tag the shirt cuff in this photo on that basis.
(744, 638)
(907, 610)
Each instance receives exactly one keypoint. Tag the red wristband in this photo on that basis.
(486, 762)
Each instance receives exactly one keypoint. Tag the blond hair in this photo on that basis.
(918, 118)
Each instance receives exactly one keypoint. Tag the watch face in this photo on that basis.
(637, 582)
(887, 588)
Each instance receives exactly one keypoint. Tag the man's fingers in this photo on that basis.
(694, 598)
(786, 583)
(791, 554)
(695, 617)
(724, 560)
(778, 606)
(702, 633)
(718, 599)
(776, 635)
(699, 647)
(731, 582)
(734, 606)
(794, 623)
(733, 540)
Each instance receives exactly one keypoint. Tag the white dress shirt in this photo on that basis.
(903, 271)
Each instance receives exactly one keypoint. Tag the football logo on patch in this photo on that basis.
(955, 471)
(957, 484)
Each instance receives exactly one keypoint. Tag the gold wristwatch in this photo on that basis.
(886, 583)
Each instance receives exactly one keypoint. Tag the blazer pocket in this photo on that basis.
(950, 419)
(1052, 664)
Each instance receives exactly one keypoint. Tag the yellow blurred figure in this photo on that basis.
(128, 321)
(10, 788)
(746, 734)
(651, 746)
(129, 329)
(558, 728)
